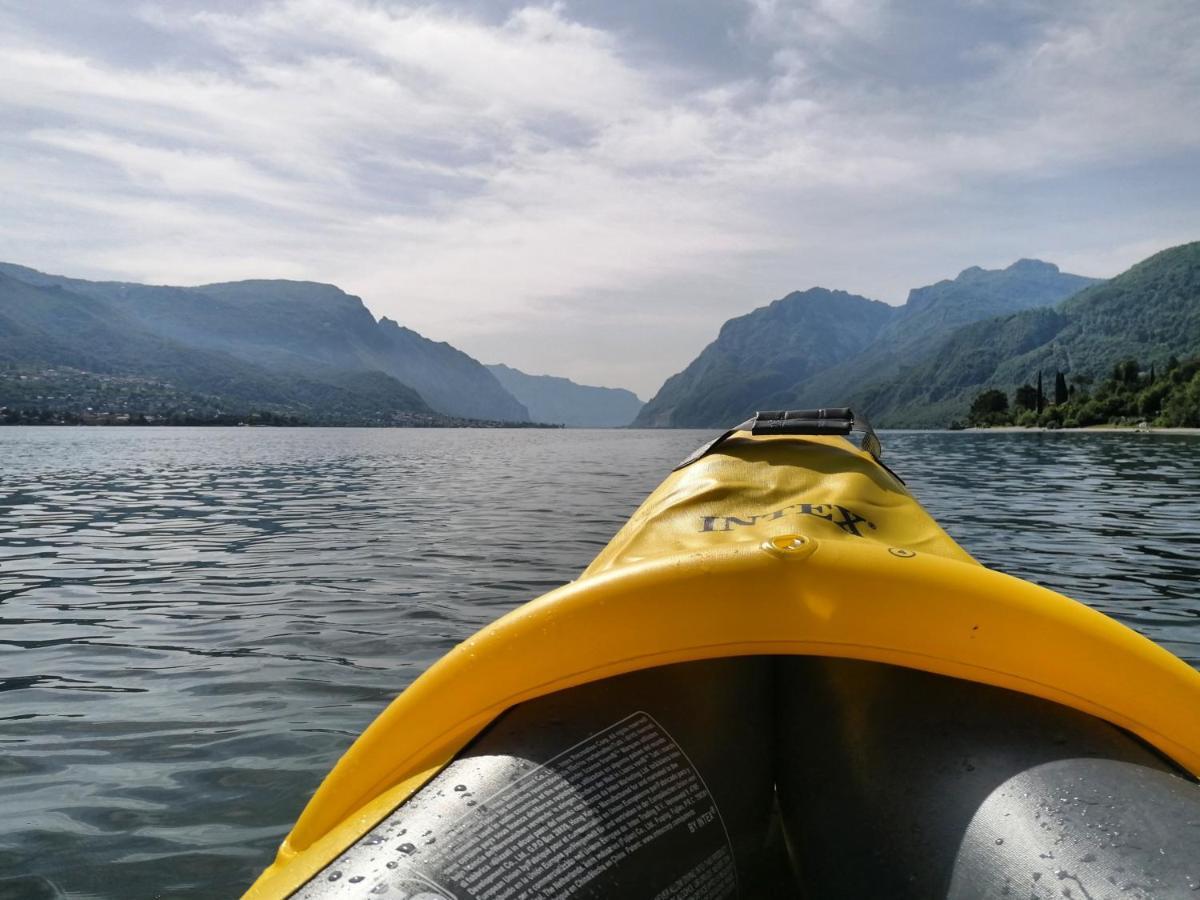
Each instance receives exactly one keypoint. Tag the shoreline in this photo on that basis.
(1087, 429)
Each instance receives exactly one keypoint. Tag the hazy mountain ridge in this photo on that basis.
(447, 377)
(74, 347)
(550, 398)
(287, 345)
(763, 353)
(835, 374)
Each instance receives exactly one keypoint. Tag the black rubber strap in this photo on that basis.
(831, 420)
(836, 420)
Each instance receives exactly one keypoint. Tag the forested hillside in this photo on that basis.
(822, 348)
(1149, 313)
(285, 348)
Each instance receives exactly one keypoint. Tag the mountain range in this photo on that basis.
(1150, 313)
(299, 349)
(308, 352)
(280, 346)
(920, 364)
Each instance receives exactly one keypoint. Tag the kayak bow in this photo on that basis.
(781, 671)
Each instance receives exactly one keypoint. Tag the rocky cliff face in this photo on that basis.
(763, 354)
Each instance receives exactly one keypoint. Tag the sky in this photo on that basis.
(590, 189)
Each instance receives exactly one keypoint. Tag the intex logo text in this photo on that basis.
(843, 518)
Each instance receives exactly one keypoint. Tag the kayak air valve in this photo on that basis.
(790, 546)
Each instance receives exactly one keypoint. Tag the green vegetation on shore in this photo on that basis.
(1130, 395)
(59, 395)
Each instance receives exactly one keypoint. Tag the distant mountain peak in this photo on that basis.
(254, 283)
(1023, 266)
(552, 398)
(1033, 265)
(1025, 284)
(816, 292)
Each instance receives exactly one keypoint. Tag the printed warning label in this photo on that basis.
(621, 813)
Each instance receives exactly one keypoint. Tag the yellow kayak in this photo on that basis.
(780, 678)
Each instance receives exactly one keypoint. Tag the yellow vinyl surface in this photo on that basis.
(770, 545)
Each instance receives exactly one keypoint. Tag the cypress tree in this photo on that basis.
(1060, 388)
(1041, 396)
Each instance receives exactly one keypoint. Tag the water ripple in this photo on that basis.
(194, 623)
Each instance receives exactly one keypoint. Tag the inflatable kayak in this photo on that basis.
(780, 678)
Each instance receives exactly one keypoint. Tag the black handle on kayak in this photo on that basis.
(836, 420)
(828, 420)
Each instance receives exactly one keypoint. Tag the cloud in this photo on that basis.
(820, 25)
(496, 178)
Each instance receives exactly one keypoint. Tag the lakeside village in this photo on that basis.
(45, 416)
(60, 395)
(1129, 396)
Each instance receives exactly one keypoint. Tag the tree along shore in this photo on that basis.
(1129, 396)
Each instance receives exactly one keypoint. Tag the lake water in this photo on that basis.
(195, 623)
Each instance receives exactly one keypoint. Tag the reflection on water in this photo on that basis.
(194, 623)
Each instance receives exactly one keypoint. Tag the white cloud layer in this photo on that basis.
(588, 200)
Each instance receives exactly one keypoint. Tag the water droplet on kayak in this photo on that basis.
(999, 841)
(334, 876)
(460, 787)
(356, 879)
(406, 848)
